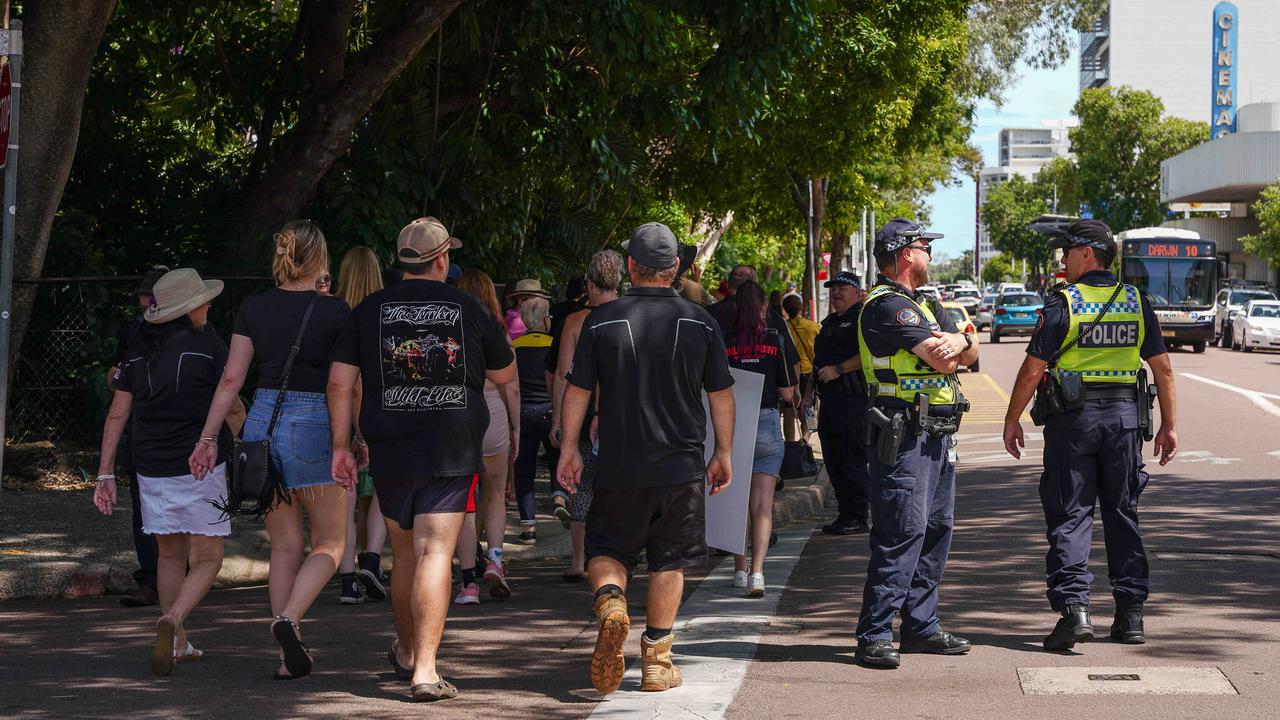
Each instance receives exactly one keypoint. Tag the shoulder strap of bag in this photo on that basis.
(1053, 362)
(288, 365)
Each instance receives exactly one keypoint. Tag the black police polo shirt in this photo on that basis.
(1055, 321)
(838, 339)
(892, 322)
(652, 354)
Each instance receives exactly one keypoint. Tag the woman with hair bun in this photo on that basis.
(265, 330)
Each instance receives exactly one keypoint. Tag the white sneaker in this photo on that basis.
(740, 579)
(756, 585)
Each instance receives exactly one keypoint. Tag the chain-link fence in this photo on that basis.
(59, 394)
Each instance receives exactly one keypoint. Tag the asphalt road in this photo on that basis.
(1211, 518)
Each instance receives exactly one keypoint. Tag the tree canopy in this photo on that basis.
(1266, 243)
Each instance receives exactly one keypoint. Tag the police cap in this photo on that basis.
(899, 233)
(844, 277)
(1087, 233)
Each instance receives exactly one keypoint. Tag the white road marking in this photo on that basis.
(1196, 456)
(715, 618)
(1275, 454)
(1256, 397)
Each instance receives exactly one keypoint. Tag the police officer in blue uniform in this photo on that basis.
(1084, 364)
(910, 350)
(843, 391)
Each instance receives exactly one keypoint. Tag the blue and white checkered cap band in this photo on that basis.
(922, 383)
(1099, 373)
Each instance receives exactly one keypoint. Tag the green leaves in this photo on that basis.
(1266, 243)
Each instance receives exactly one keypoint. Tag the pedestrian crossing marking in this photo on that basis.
(987, 402)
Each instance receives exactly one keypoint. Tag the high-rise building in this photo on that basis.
(1021, 151)
(1166, 47)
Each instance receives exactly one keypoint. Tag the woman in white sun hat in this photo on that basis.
(166, 384)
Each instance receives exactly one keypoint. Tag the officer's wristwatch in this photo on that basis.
(968, 341)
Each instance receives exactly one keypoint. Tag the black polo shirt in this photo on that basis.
(723, 314)
(652, 354)
(1055, 321)
(837, 341)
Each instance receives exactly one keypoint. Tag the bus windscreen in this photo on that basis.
(1173, 283)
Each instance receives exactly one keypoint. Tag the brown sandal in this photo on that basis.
(162, 653)
(431, 692)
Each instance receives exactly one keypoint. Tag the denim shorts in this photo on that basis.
(301, 444)
(769, 447)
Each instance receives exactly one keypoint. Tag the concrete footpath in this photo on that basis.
(57, 544)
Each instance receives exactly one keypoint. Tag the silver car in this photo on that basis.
(982, 313)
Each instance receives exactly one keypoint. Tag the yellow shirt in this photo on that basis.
(804, 331)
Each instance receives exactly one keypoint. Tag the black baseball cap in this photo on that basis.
(1088, 233)
(899, 233)
(844, 277)
(149, 280)
(653, 245)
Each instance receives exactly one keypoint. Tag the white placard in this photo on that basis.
(726, 526)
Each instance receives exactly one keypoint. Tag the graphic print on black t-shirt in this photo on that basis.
(423, 363)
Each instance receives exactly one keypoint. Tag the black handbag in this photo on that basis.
(797, 460)
(254, 484)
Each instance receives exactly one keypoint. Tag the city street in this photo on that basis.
(1211, 519)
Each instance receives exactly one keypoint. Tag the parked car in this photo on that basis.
(1010, 288)
(1227, 306)
(984, 310)
(1016, 313)
(1257, 325)
(932, 292)
(960, 316)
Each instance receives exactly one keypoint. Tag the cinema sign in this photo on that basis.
(1226, 63)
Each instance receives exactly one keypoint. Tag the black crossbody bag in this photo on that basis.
(254, 484)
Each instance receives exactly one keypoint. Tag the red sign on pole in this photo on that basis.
(6, 98)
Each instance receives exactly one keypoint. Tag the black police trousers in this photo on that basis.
(840, 417)
(1094, 455)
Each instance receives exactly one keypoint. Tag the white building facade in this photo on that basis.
(1167, 48)
(1021, 151)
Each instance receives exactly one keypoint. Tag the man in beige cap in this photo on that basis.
(423, 350)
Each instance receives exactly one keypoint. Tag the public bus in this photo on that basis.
(1178, 271)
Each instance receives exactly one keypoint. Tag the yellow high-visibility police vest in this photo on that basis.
(1110, 351)
(902, 374)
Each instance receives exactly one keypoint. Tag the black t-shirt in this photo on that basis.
(271, 320)
(532, 351)
(561, 310)
(723, 314)
(1055, 321)
(125, 338)
(837, 341)
(893, 322)
(171, 397)
(423, 348)
(653, 354)
(764, 356)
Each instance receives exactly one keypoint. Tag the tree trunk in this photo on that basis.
(712, 231)
(60, 39)
(800, 198)
(322, 134)
(839, 243)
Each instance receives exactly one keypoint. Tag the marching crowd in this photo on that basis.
(406, 404)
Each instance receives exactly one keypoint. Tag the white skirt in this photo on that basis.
(182, 504)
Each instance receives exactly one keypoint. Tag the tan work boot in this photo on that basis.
(607, 663)
(659, 673)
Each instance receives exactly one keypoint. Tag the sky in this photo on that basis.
(1037, 95)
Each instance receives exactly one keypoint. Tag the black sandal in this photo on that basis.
(297, 658)
(431, 692)
(402, 672)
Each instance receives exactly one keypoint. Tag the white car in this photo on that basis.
(1227, 306)
(984, 311)
(1257, 326)
(1010, 288)
(932, 292)
(970, 298)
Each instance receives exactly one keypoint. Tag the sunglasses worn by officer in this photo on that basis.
(926, 247)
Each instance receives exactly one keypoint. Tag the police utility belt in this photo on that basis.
(885, 427)
(1060, 393)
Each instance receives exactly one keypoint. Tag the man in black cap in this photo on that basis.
(1088, 350)
(651, 354)
(910, 351)
(839, 383)
(144, 545)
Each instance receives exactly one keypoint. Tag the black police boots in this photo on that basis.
(1074, 627)
(1127, 627)
(939, 643)
(878, 653)
(845, 526)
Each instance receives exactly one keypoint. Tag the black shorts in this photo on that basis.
(401, 500)
(665, 522)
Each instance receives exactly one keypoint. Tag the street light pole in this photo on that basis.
(11, 46)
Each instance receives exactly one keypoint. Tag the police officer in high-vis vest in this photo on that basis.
(910, 350)
(1084, 365)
